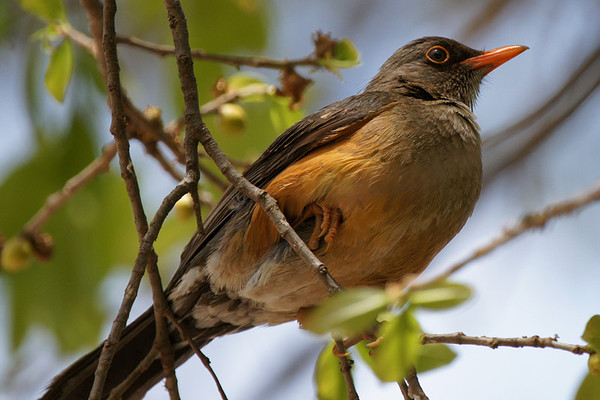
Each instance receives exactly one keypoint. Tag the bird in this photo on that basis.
(375, 184)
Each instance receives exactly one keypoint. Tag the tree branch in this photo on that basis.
(404, 390)
(146, 255)
(236, 61)
(495, 342)
(161, 341)
(105, 38)
(415, 391)
(183, 333)
(346, 369)
(117, 392)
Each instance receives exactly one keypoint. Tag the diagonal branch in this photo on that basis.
(534, 220)
(74, 184)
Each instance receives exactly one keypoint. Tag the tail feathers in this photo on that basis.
(76, 381)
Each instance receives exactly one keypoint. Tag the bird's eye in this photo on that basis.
(437, 55)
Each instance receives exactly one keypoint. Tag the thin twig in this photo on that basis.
(236, 61)
(529, 222)
(139, 123)
(136, 117)
(57, 199)
(495, 342)
(117, 392)
(105, 39)
(346, 369)
(414, 387)
(491, 10)
(205, 360)
(404, 390)
(154, 151)
(199, 129)
(161, 340)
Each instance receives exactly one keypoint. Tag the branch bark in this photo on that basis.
(346, 369)
(118, 129)
(495, 342)
(236, 61)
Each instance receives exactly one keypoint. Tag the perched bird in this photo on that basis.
(376, 185)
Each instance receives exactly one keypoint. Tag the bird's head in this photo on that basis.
(439, 68)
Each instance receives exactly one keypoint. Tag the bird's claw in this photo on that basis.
(327, 223)
(373, 344)
(374, 341)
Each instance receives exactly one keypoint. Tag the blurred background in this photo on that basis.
(543, 106)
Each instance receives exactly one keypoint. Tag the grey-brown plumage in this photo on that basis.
(398, 170)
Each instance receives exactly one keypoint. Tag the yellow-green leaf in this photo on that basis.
(594, 364)
(434, 356)
(399, 350)
(49, 10)
(589, 389)
(60, 69)
(345, 55)
(348, 312)
(440, 296)
(592, 332)
(329, 380)
(345, 50)
(239, 81)
(281, 115)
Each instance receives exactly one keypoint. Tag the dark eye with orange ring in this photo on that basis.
(437, 55)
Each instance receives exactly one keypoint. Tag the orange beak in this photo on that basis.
(494, 58)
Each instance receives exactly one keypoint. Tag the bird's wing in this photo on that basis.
(324, 126)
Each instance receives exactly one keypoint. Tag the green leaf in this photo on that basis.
(328, 378)
(591, 334)
(49, 10)
(594, 364)
(434, 356)
(345, 55)
(398, 351)
(345, 51)
(241, 80)
(440, 296)
(348, 312)
(589, 388)
(60, 69)
(282, 117)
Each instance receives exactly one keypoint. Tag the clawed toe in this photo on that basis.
(327, 223)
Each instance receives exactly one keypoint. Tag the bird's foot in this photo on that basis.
(374, 341)
(327, 223)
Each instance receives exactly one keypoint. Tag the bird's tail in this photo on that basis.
(75, 382)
